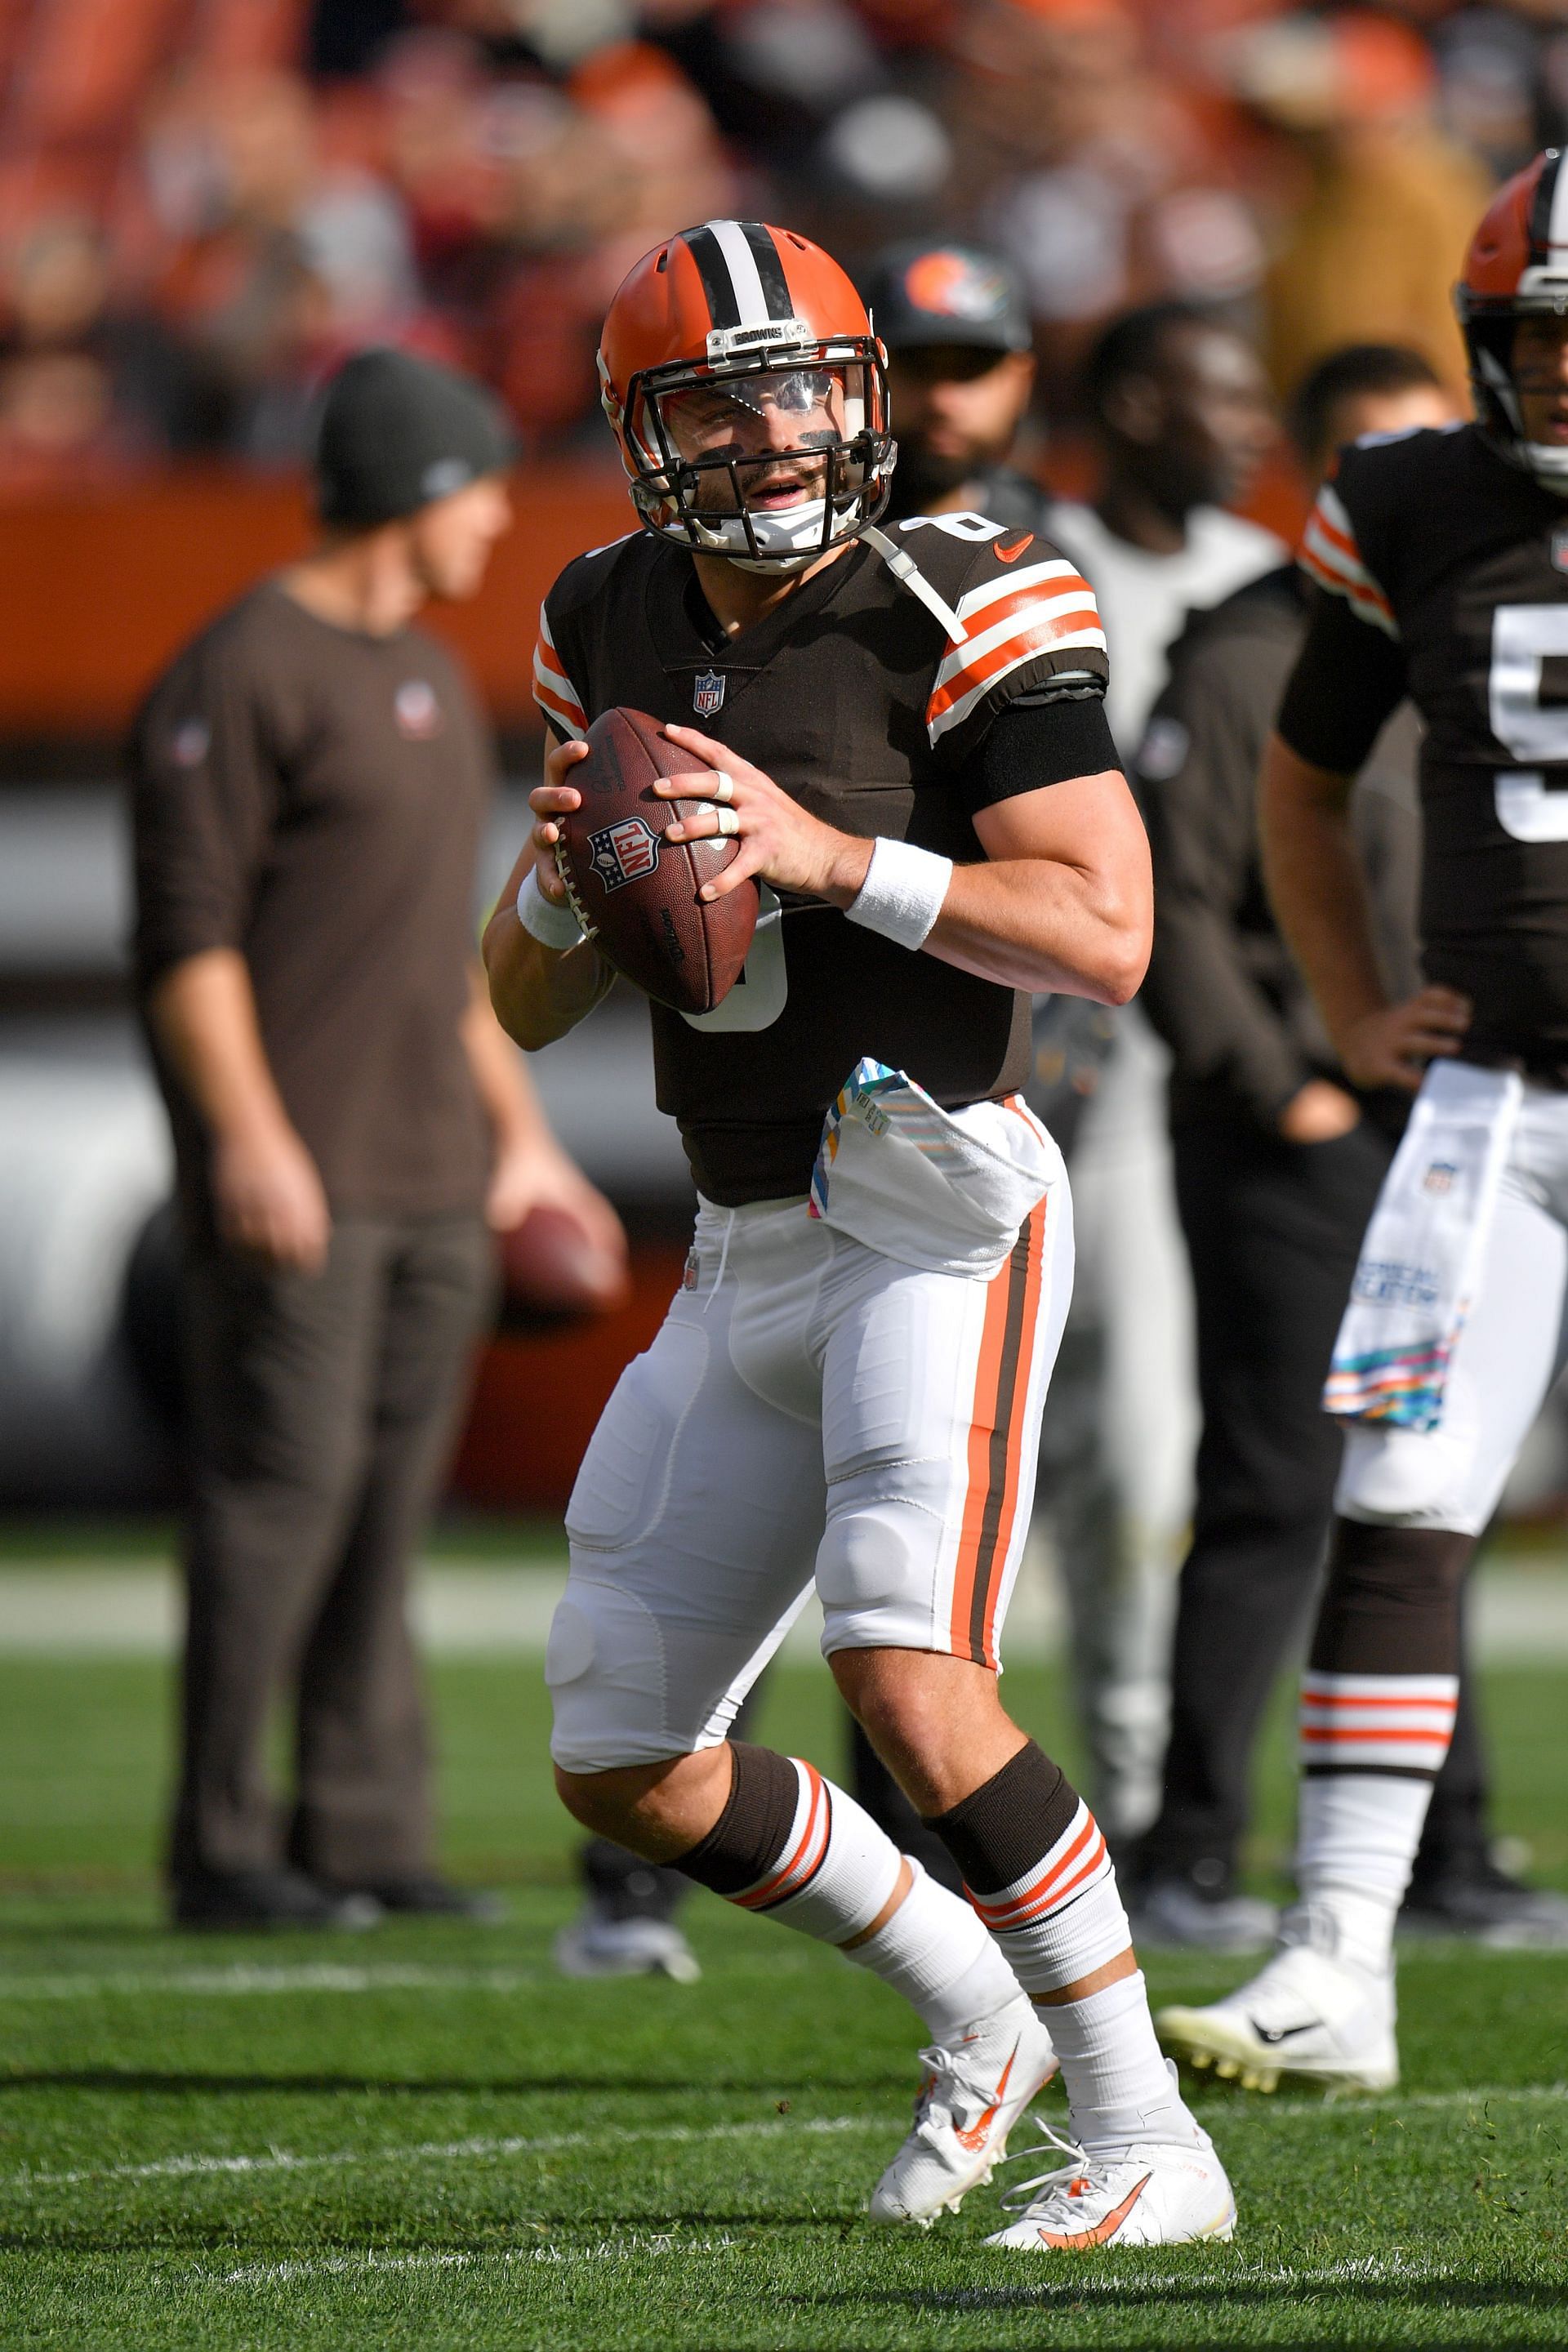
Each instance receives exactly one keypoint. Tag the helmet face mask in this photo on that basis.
(763, 441)
(1516, 270)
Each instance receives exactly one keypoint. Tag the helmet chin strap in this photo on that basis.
(1543, 460)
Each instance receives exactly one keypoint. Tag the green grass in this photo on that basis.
(423, 2138)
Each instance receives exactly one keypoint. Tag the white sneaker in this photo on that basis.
(596, 1946)
(1308, 2014)
(972, 2094)
(1148, 2193)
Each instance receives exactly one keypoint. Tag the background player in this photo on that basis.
(1439, 556)
(1278, 1168)
(912, 740)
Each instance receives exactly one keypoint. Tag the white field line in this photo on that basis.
(1519, 1609)
(448, 2151)
(1069, 2283)
(607, 2250)
(244, 1982)
(284, 2160)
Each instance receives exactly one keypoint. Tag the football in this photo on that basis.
(635, 892)
(552, 1265)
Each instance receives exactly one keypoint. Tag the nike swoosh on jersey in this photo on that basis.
(1071, 2240)
(1011, 554)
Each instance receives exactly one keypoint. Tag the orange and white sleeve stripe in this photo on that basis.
(552, 690)
(1049, 608)
(1330, 556)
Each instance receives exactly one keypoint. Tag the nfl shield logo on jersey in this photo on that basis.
(624, 852)
(1560, 548)
(708, 693)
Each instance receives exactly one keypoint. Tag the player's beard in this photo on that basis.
(920, 481)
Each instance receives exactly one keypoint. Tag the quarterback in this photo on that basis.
(904, 733)
(1440, 560)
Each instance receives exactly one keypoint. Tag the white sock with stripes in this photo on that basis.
(1063, 1918)
(836, 1871)
(1370, 1745)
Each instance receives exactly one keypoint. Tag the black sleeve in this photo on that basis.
(1347, 684)
(1037, 739)
(1210, 724)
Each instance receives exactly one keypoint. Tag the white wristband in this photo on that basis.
(903, 893)
(552, 926)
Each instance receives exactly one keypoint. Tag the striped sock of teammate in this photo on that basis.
(1036, 1868)
(792, 1847)
(1378, 1700)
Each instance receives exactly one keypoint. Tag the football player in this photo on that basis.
(1440, 558)
(904, 732)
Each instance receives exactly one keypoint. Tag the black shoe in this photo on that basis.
(1484, 1903)
(268, 1898)
(423, 1895)
(1186, 1909)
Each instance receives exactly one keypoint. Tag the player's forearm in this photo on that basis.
(537, 993)
(202, 1014)
(1315, 881)
(1036, 924)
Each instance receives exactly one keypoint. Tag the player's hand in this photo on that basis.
(270, 1200)
(531, 1174)
(779, 840)
(555, 797)
(1393, 1047)
(1318, 1112)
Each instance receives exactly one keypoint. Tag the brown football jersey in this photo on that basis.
(866, 694)
(1444, 571)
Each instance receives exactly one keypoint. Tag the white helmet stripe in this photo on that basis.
(1557, 226)
(744, 276)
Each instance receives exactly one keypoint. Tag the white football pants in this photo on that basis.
(810, 1409)
(1509, 1354)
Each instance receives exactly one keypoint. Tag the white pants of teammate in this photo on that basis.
(1511, 1350)
(810, 1409)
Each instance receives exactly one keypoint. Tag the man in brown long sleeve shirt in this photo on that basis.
(310, 778)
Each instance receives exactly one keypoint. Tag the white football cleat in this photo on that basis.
(1307, 2014)
(972, 2094)
(1147, 2193)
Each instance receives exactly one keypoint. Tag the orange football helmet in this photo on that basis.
(1516, 267)
(734, 319)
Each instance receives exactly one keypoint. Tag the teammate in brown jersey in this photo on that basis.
(1439, 561)
(905, 732)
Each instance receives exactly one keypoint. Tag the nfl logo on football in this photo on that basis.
(708, 692)
(624, 852)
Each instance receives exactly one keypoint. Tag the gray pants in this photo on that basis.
(322, 1411)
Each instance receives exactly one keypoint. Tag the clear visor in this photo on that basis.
(755, 414)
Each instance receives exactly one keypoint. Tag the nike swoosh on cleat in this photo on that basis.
(1274, 2033)
(1011, 554)
(973, 2135)
(1071, 2241)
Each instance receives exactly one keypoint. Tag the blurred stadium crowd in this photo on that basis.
(205, 204)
